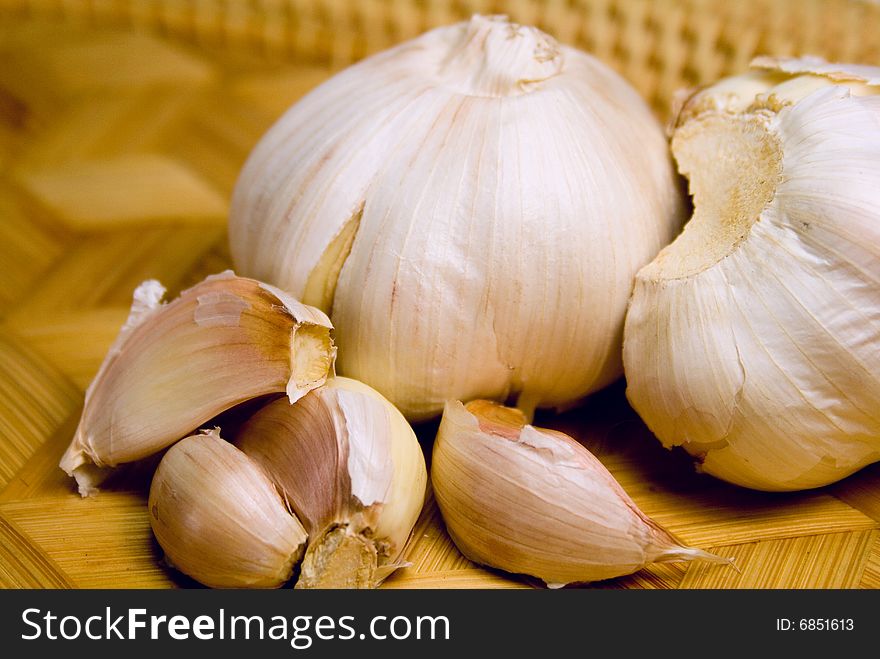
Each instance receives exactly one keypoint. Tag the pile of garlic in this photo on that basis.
(474, 225)
(324, 475)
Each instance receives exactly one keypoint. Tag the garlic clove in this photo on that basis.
(352, 470)
(752, 340)
(219, 519)
(534, 501)
(174, 366)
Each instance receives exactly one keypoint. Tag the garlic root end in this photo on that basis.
(339, 559)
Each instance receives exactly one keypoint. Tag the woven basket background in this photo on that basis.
(659, 45)
(123, 125)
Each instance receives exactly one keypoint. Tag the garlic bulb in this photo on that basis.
(347, 465)
(470, 209)
(219, 519)
(534, 501)
(753, 340)
(175, 366)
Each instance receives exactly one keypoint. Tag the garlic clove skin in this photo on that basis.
(174, 366)
(533, 501)
(351, 468)
(219, 519)
(403, 502)
(849, 74)
(473, 223)
(752, 340)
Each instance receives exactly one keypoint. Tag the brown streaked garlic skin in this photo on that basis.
(473, 223)
(351, 469)
(752, 340)
(219, 519)
(174, 366)
(533, 501)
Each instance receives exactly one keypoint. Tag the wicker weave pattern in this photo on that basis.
(659, 45)
(119, 148)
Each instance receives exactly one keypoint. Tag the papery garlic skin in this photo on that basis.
(470, 209)
(533, 501)
(405, 497)
(352, 470)
(219, 519)
(753, 340)
(174, 366)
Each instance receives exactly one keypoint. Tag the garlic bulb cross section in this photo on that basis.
(470, 208)
(753, 340)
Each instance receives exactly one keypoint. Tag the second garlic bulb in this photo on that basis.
(753, 340)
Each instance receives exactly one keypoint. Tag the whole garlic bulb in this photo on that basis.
(470, 209)
(754, 339)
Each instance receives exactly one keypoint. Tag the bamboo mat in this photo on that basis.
(123, 125)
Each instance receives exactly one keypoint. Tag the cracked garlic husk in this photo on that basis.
(472, 224)
(534, 501)
(174, 366)
(753, 340)
(347, 466)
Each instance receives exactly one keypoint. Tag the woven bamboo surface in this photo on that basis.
(123, 124)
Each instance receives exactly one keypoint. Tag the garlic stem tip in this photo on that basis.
(694, 554)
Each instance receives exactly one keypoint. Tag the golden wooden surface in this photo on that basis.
(122, 128)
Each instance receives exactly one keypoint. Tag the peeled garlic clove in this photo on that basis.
(488, 187)
(174, 366)
(219, 519)
(351, 469)
(752, 340)
(534, 501)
